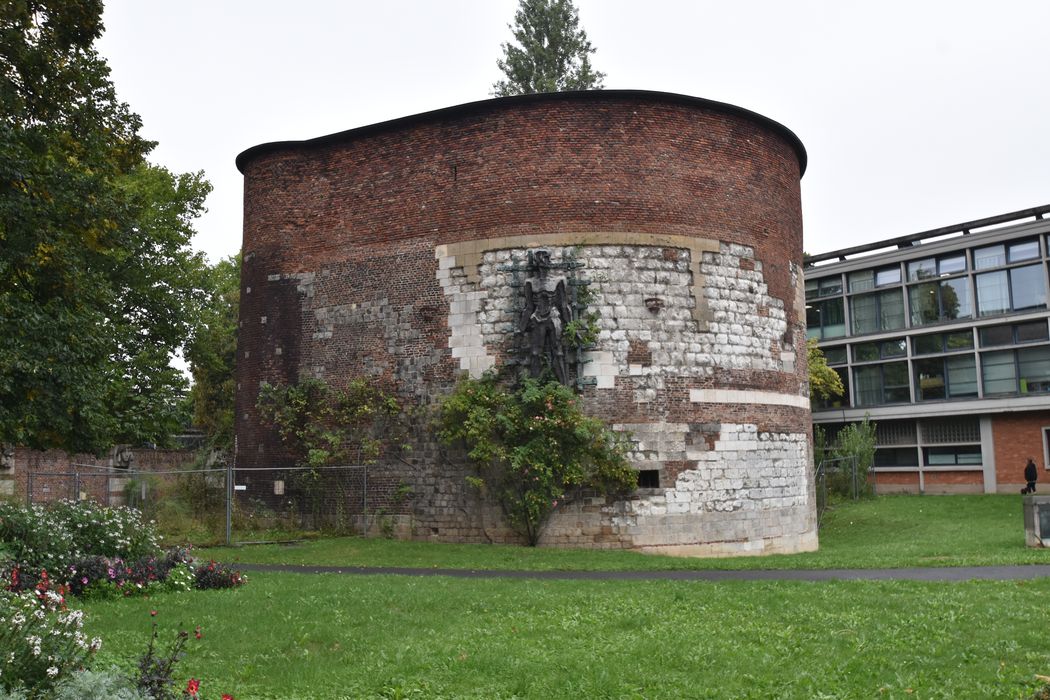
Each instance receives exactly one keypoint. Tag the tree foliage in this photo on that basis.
(534, 447)
(212, 353)
(552, 53)
(98, 285)
(824, 382)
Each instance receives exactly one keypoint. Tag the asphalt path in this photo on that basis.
(962, 573)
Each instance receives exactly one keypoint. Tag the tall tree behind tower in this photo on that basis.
(552, 53)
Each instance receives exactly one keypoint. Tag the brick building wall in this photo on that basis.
(1018, 436)
(377, 252)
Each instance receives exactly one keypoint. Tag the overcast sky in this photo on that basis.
(915, 114)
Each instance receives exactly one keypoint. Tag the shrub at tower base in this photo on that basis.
(533, 447)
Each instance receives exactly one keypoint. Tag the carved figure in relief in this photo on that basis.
(545, 315)
(7, 457)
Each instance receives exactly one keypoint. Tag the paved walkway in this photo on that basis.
(964, 573)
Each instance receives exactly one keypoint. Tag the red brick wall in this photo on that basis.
(52, 470)
(1018, 436)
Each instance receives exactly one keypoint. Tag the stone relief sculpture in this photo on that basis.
(122, 457)
(7, 457)
(545, 314)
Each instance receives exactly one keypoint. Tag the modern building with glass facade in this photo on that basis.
(942, 338)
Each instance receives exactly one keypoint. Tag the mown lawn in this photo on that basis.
(886, 532)
(330, 636)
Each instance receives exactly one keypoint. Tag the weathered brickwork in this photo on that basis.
(50, 475)
(380, 253)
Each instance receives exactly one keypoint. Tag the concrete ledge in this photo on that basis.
(747, 396)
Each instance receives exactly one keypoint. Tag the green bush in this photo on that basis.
(534, 447)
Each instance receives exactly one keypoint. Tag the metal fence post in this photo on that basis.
(229, 501)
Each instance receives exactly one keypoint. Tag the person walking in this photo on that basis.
(1031, 474)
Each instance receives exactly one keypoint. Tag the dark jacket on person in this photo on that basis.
(1030, 472)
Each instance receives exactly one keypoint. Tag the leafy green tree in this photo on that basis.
(552, 53)
(98, 284)
(212, 354)
(534, 447)
(824, 382)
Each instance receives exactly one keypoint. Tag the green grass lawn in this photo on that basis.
(889, 531)
(330, 636)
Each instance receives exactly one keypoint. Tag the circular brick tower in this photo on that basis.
(397, 251)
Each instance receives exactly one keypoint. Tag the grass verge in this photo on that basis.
(885, 532)
(327, 636)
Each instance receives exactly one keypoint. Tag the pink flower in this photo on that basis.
(192, 687)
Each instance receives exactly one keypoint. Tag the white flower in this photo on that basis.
(52, 671)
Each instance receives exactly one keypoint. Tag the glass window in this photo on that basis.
(896, 457)
(830, 286)
(927, 344)
(955, 299)
(1031, 332)
(942, 342)
(922, 269)
(865, 352)
(922, 298)
(952, 264)
(993, 293)
(835, 355)
(895, 382)
(827, 286)
(929, 379)
(960, 340)
(894, 348)
(868, 385)
(998, 372)
(960, 454)
(1023, 250)
(825, 319)
(862, 281)
(939, 301)
(887, 276)
(864, 313)
(962, 375)
(1028, 287)
(1033, 366)
(992, 256)
(996, 335)
(891, 309)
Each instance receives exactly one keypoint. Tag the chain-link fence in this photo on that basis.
(840, 476)
(216, 504)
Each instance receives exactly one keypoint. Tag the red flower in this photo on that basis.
(192, 687)
(197, 632)
(152, 613)
(227, 696)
